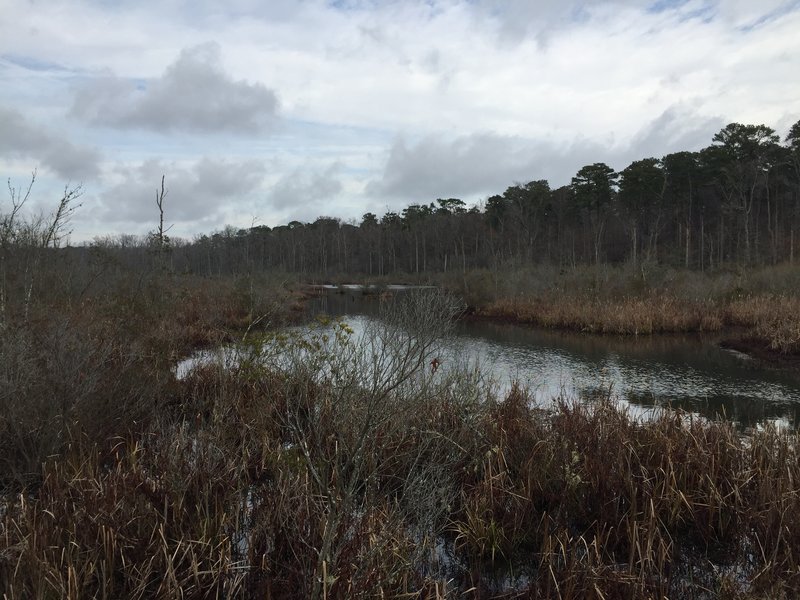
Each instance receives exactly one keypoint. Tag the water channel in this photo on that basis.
(690, 372)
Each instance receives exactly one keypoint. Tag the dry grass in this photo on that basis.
(600, 506)
(227, 495)
(297, 479)
(774, 318)
(760, 305)
(152, 523)
(655, 313)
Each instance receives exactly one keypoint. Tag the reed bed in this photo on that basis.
(772, 317)
(775, 319)
(584, 501)
(654, 313)
(757, 307)
(603, 506)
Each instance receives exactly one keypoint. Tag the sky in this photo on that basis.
(263, 112)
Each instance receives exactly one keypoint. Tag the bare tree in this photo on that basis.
(24, 242)
(159, 240)
(9, 233)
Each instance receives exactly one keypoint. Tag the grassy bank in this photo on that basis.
(757, 309)
(319, 467)
(752, 309)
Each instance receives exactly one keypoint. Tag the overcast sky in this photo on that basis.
(262, 112)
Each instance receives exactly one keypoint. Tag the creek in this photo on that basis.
(690, 372)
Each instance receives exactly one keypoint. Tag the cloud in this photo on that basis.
(196, 193)
(675, 130)
(518, 20)
(194, 95)
(303, 190)
(475, 165)
(437, 167)
(21, 139)
(544, 20)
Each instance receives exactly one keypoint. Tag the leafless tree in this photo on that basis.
(24, 242)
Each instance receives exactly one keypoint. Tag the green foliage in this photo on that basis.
(451, 206)
(641, 186)
(745, 142)
(594, 186)
(369, 220)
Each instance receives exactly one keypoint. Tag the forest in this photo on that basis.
(735, 202)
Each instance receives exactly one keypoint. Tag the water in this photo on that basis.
(690, 372)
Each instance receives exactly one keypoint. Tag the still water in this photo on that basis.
(690, 372)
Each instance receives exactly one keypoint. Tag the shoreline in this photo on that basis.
(734, 325)
(758, 349)
(728, 337)
(731, 337)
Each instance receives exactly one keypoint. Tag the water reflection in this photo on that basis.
(687, 372)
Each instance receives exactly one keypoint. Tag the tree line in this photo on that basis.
(736, 201)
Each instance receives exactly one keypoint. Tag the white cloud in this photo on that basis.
(196, 193)
(194, 95)
(22, 140)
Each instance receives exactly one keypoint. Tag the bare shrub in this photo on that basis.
(63, 383)
(351, 412)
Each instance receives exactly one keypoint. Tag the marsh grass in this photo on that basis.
(334, 469)
(773, 318)
(761, 304)
(262, 479)
(655, 313)
(600, 505)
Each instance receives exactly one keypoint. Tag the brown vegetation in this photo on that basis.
(627, 316)
(313, 466)
(762, 305)
(585, 502)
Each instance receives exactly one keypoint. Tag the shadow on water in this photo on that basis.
(690, 372)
